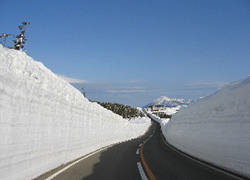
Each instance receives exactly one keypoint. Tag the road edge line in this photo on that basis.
(72, 164)
(86, 156)
(141, 171)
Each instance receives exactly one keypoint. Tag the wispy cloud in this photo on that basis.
(133, 87)
(126, 91)
(72, 80)
(204, 84)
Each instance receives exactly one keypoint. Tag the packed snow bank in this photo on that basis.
(216, 128)
(167, 110)
(45, 122)
(162, 121)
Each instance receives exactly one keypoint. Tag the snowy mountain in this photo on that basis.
(216, 128)
(168, 102)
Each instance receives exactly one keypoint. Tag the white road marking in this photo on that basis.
(70, 165)
(142, 173)
(138, 150)
(140, 145)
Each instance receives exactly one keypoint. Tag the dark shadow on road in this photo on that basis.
(115, 163)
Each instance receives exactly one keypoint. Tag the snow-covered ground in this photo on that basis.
(216, 128)
(167, 110)
(172, 110)
(45, 122)
(171, 106)
(162, 121)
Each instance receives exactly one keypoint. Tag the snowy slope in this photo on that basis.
(168, 102)
(45, 122)
(216, 128)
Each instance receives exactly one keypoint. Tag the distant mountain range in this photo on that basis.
(168, 102)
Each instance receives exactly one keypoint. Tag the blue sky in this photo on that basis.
(133, 51)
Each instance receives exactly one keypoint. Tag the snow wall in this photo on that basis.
(216, 129)
(45, 122)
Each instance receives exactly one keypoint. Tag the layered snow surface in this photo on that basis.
(45, 122)
(216, 129)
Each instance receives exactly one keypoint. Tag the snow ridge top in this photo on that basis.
(168, 102)
(230, 102)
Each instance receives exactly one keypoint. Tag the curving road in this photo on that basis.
(123, 161)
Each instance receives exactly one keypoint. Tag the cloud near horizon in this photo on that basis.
(204, 84)
(72, 80)
(126, 91)
(104, 87)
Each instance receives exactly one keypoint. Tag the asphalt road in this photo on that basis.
(115, 163)
(120, 162)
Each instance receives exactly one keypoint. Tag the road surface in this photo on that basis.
(123, 161)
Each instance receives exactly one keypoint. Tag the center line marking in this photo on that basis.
(144, 163)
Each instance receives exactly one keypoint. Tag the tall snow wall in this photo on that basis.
(45, 122)
(216, 129)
